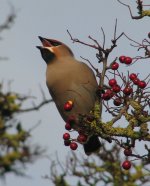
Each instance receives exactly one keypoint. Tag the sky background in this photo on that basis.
(51, 19)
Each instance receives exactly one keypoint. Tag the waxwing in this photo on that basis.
(69, 79)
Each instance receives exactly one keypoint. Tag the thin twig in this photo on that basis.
(96, 69)
(103, 37)
(35, 108)
(81, 42)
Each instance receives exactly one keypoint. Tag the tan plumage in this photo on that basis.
(69, 79)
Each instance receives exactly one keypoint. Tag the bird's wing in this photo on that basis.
(78, 85)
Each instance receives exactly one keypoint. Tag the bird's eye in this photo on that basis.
(55, 42)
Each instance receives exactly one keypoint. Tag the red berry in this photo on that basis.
(117, 101)
(68, 126)
(67, 142)
(122, 59)
(66, 136)
(142, 84)
(106, 96)
(112, 82)
(90, 118)
(68, 105)
(73, 146)
(114, 66)
(100, 91)
(136, 81)
(149, 34)
(127, 152)
(82, 138)
(132, 76)
(116, 88)
(126, 165)
(110, 92)
(71, 120)
(128, 60)
(127, 90)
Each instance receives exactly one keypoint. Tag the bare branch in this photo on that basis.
(9, 21)
(78, 41)
(141, 12)
(36, 107)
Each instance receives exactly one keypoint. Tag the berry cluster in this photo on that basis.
(120, 93)
(127, 164)
(113, 90)
(125, 60)
(136, 81)
(68, 141)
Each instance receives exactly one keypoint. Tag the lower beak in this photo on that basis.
(39, 47)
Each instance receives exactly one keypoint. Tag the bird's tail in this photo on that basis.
(93, 145)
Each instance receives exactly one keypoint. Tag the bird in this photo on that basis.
(70, 79)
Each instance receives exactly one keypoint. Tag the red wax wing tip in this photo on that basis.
(68, 105)
(70, 102)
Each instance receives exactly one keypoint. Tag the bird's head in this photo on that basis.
(53, 49)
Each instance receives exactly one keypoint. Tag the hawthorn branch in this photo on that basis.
(144, 45)
(141, 12)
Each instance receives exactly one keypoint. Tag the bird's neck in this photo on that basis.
(62, 60)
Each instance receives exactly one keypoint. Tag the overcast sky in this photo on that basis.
(51, 19)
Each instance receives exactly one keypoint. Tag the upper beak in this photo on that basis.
(49, 42)
(45, 42)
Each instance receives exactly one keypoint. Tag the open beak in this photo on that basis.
(49, 42)
(39, 47)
